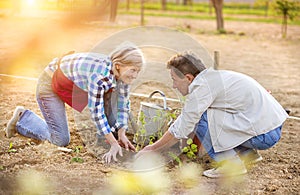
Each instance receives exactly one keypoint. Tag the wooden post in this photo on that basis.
(216, 59)
(142, 12)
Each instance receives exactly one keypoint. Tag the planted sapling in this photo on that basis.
(77, 158)
(10, 148)
(191, 149)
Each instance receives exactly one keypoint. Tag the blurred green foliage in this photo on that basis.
(259, 11)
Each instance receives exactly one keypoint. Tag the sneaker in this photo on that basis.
(11, 125)
(251, 157)
(226, 170)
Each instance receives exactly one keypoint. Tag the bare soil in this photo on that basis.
(27, 44)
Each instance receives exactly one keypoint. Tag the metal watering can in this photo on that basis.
(153, 119)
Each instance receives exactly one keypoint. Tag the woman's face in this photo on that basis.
(128, 73)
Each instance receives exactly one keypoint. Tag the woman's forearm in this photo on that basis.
(111, 139)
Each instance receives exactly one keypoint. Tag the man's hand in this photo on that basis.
(166, 141)
(115, 148)
(124, 142)
(146, 150)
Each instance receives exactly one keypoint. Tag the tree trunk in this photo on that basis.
(142, 12)
(113, 10)
(209, 7)
(218, 5)
(127, 5)
(267, 8)
(164, 4)
(284, 26)
(187, 2)
(95, 3)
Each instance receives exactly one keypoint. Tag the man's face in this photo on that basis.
(181, 84)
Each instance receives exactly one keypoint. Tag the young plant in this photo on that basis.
(167, 116)
(161, 118)
(191, 149)
(139, 136)
(10, 148)
(151, 139)
(176, 158)
(77, 158)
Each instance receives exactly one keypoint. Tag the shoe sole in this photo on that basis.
(10, 127)
(255, 160)
(220, 175)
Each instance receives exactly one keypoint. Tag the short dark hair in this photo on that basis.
(186, 63)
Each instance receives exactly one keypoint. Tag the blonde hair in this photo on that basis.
(126, 54)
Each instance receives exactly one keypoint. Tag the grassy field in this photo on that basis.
(256, 12)
(232, 11)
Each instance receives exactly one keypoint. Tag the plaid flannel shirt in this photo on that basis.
(92, 73)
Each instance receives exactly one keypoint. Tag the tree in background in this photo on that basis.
(113, 10)
(127, 5)
(289, 10)
(142, 12)
(218, 5)
(164, 4)
(265, 4)
(187, 2)
(210, 7)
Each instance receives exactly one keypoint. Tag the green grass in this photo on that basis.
(229, 8)
(231, 11)
(197, 16)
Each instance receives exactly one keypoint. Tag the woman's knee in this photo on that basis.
(61, 141)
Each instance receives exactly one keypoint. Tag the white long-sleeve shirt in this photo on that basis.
(238, 108)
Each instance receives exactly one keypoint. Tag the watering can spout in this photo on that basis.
(162, 94)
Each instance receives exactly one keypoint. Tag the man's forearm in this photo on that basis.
(166, 141)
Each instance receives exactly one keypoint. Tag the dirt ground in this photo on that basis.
(27, 44)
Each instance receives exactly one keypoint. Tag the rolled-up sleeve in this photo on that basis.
(123, 106)
(96, 105)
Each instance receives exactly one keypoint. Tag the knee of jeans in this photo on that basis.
(267, 144)
(202, 133)
(62, 141)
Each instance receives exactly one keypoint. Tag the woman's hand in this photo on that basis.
(123, 140)
(115, 148)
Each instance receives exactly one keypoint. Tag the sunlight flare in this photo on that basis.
(30, 3)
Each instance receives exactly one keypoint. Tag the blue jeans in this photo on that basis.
(260, 142)
(55, 127)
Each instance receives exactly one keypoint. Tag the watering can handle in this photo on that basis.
(162, 94)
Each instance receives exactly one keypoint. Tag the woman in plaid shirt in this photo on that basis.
(81, 79)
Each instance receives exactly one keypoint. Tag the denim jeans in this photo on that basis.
(260, 142)
(55, 127)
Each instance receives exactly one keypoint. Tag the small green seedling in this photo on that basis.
(77, 158)
(10, 148)
(191, 149)
(176, 158)
(140, 137)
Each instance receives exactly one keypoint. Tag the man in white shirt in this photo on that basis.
(231, 114)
